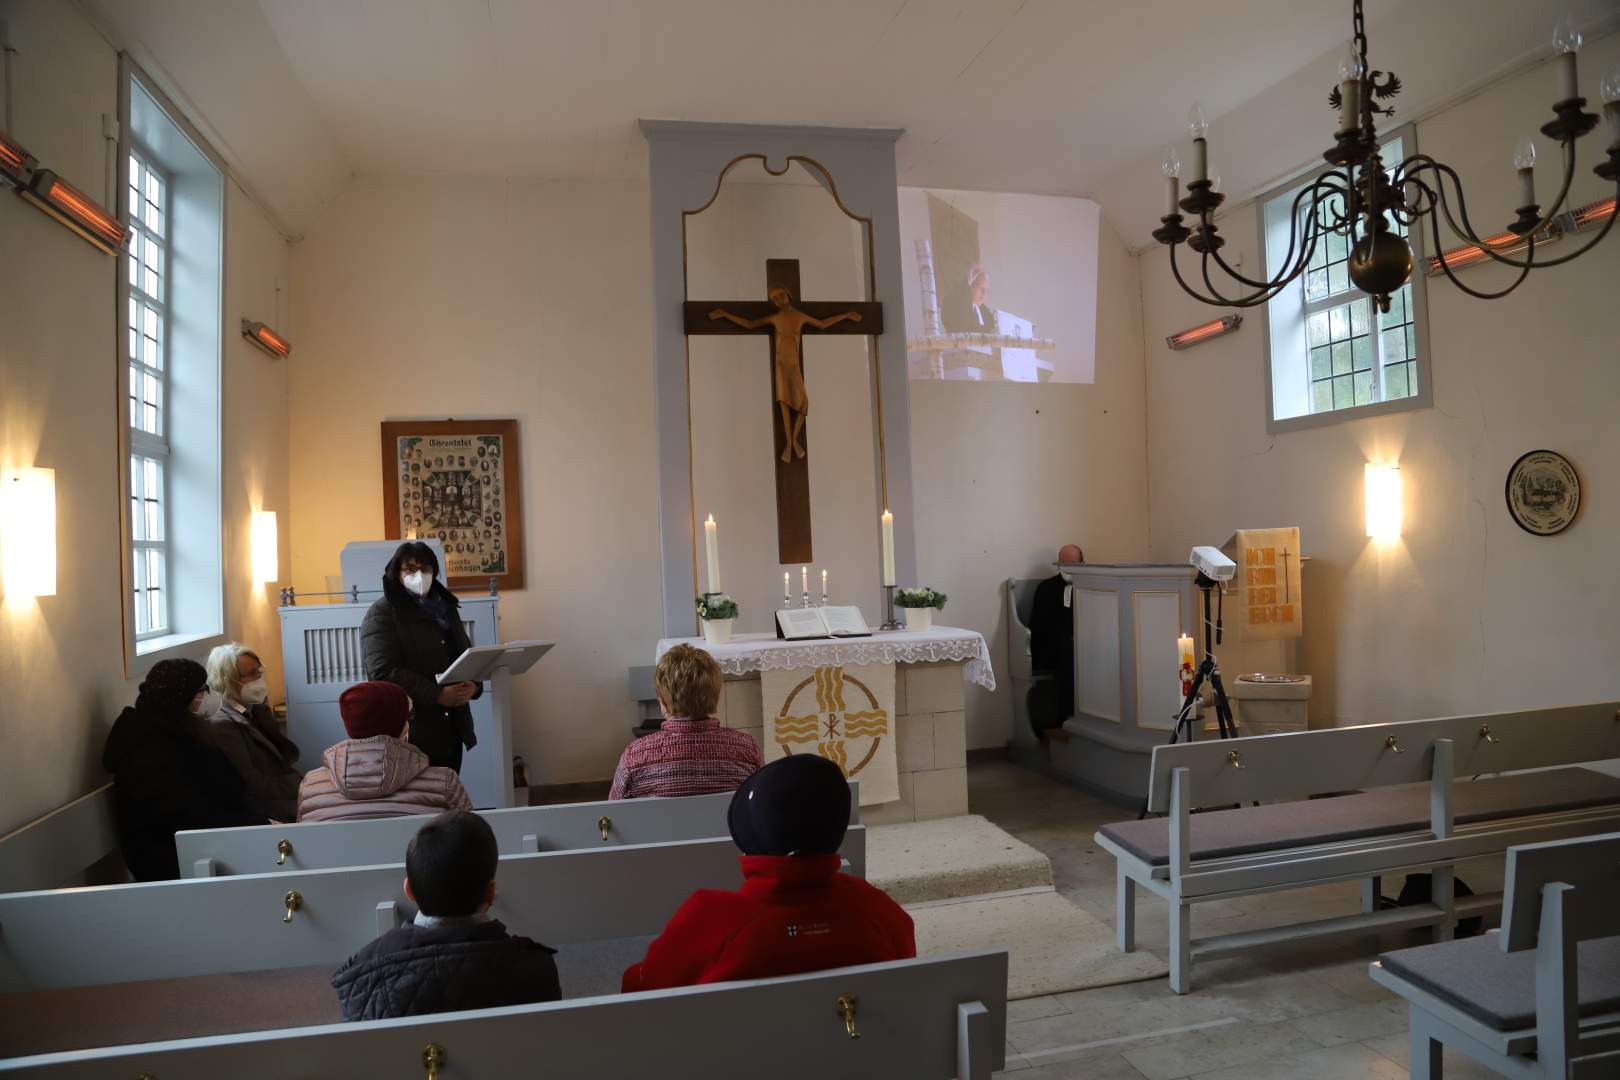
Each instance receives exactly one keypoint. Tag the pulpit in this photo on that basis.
(1127, 618)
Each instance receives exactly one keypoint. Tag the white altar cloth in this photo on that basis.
(748, 653)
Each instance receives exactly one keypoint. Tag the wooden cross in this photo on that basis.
(786, 318)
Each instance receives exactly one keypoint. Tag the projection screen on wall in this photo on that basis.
(999, 287)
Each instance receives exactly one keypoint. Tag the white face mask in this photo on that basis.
(208, 706)
(419, 582)
(255, 692)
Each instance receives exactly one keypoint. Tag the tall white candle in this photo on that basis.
(787, 588)
(824, 584)
(804, 579)
(888, 548)
(711, 537)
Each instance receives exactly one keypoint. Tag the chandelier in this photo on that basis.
(1372, 207)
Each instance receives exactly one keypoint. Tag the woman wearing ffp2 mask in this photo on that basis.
(243, 727)
(413, 632)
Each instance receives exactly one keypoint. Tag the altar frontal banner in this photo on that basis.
(844, 714)
(1270, 601)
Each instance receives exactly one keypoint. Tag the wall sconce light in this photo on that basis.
(1204, 332)
(266, 339)
(1384, 504)
(266, 560)
(28, 532)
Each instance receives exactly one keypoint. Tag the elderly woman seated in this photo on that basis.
(245, 729)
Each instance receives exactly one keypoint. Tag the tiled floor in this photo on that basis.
(1292, 1012)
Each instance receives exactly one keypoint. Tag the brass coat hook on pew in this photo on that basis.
(294, 900)
(283, 849)
(433, 1058)
(846, 1013)
(1485, 733)
(1235, 759)
(604, 823)
(1393, 745)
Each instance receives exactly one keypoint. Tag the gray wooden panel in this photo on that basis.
(909, 1015)
(1591, 864)
(59, 846)
(206, 926)
(1340, 759)
(321, 845)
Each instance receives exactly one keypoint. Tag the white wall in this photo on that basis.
(61, 658)
(1467, 611)
(1006, 473)
(420, 298)
(429, 299)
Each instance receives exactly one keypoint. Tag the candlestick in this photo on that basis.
(804, 580)
(889, 621)
(824, 588)
(888, 548)
(711, 538)
(787, 586)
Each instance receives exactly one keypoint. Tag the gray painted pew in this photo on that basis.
(926, 1019)
(322, 845)
(1419, 818)
(1539, 997)
(208, 926)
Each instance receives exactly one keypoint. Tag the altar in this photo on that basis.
(921, 721)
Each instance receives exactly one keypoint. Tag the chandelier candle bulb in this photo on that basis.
(888, 548)
(711, 538)
(1524, 159)
(1566, 41)
(1351, 70)
(1172, 175)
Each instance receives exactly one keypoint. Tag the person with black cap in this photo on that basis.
(166, 777)
(795, 911)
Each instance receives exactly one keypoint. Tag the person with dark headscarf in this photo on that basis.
(165, 776)
(412, 634)
(795, 911)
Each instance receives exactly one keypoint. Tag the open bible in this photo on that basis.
(793, 624)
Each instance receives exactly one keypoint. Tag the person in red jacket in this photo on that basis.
(795, 911)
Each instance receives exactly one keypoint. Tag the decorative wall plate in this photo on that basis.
(1543, 492)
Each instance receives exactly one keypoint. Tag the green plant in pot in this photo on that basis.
(717, 610)
(919, 605)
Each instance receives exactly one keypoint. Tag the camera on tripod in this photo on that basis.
(1214, 570)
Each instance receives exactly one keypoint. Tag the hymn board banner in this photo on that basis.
(1271, 602)
(844, 714)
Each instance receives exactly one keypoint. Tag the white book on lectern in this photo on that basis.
(480, 661)
(794, 624)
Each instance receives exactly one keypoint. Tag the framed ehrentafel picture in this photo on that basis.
(1543, 492)
(461, 481)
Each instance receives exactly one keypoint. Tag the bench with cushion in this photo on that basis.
(323, 845)
(1543, 994)
(1426, 797)
(928, 1018)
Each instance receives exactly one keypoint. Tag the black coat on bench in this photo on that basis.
(416, 970)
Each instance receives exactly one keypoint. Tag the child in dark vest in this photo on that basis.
(454, 955)
(795, 911)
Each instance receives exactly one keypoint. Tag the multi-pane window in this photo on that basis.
(146, 356)
(1331, 348)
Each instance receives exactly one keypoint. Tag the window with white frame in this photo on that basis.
(1332, 354)
(171, 345)
(148, 376)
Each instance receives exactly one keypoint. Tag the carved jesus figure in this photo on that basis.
(788, 323)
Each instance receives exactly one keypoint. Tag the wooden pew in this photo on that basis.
(1412, 814)
(926, 1019)
(207, 926)
(321, 845)
(1532, 1001)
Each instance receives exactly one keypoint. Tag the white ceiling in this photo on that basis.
(1052, 96)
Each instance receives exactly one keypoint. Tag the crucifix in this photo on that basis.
(1287, 586)
(786, 319)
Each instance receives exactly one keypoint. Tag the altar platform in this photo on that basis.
(929, 728)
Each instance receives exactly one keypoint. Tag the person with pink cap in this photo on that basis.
(375, 772)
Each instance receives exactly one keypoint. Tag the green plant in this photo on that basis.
(716, 606)
(923, 597)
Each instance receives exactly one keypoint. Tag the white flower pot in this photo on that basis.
(716, 631)
(919, 618)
